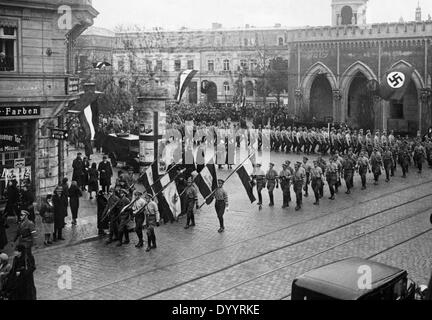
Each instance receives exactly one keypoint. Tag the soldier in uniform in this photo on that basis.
(308, 169)
(428, 147)
(331, 175)
(299, 179)
(138, 213)
(404, 159)
(317, 181)
(387, 158)
(363, 167)
(191, 195)
(295, 142)
(288, 141)
(419, 156)
(221, 204)
(285, 178)
(112, 216)
(348, 167)
(272, 182)
(369, 143)
(26, 232)
(258, 176)
(300, 142)
(152, 218)
(124, 217)
(376, 164)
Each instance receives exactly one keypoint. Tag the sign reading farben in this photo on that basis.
(19, 111)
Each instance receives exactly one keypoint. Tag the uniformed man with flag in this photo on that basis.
(221, 204)
(191, 195)
(258, 177)
(285, 178)
(316, 174)
(272, 182)
(299, 180)
(152, 219)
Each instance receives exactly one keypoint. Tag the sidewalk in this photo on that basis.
(84, 231)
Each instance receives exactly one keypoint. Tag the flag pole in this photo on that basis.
(231, 174)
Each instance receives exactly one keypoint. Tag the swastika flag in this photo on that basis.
(395, 83)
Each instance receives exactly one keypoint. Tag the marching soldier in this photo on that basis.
(124, 217)
(221, 204)
(363, 167)
(112, 216)
(331, 175)
(419, 156)
(152, 218)
(369, 143)
(299, 179)
(258, 176)
(317, 182)
(138, 213)
(348, 167)
(272, 182)
(285, 178)
(307, 168)
(404, 159)
(376, 164)
(191, 195)
(388, 162)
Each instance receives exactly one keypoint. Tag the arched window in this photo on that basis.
(249, 89)
(347, 15)
(281, 41)
(226, 87)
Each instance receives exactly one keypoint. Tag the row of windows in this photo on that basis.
(245, 65)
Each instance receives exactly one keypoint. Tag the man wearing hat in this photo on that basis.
(363, 167)
(221, 205)
(106, 173)
(299, 180)
(124, 214)
(317, 182)
(78, 170)
(272, 182)
(331, 175)
(138, 212)
(285, 178)
(376, 164)
(25, 232)
(191, 196)
(111, 215)
(258, 176)
(152, 218)
(348, 167)
(308, 169)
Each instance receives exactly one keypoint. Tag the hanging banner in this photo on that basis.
(19, 174)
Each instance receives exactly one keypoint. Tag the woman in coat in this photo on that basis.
(74, 195)
(47, 214)
(20, 284)
(60, 212)
(13, 199)
(93, 180)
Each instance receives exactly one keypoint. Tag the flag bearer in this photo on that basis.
(272, 182)
(191, 195)
(222, 204)
(152, 218)
(299, 180)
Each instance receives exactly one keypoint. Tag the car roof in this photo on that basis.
(130, 137)
(339, 280)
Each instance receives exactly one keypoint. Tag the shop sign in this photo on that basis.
(10, 142)
(20, 111)
(59, 134)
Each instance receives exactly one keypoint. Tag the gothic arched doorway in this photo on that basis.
(321, 98)
(360, 108)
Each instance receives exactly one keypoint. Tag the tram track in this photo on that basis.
(292, 244)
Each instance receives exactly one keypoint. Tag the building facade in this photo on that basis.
(37, 84)
(329, 68)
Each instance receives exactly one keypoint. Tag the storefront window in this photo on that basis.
(17, 154)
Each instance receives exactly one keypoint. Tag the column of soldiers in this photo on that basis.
(351, 153)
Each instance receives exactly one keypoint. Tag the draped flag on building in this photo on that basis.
(185, 79)
(206, 181)
(395, 82)
(246, 181)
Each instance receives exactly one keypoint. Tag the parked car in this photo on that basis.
(122, 148)
(343, 280)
